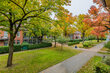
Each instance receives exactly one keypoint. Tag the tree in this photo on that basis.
(66, 21)
(62, 40)
(13, 13)
(97, 31)
(55, 32)
(37, 28)
(98, 17)
(81, 26)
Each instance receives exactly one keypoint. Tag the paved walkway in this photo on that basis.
(73, 64)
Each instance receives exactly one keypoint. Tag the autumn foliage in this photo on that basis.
(97, 31)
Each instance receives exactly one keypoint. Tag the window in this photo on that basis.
(5, 43)
(18, 41)
(5, 34)
(18, 34)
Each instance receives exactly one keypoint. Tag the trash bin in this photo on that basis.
(24, 47)
(76, 47)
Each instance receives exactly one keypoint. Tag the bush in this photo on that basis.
(72, 43)
(17, 48)
(102, 68)
(25, 45)
(107, 60)
(75, 40)
(107, 45)
(5, 49)
(87, 44)
(41, 45)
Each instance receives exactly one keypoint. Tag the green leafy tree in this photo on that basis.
(66, 20)
(38, 28)
(13, 13)
(55, 32)
(62, 40)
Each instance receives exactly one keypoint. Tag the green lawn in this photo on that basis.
(104, 51)
(36, 60)
(92, 63)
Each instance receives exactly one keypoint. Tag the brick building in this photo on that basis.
(4, 38)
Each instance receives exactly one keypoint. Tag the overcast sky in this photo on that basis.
(80, 6)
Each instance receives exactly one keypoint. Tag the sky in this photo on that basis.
(80, 6)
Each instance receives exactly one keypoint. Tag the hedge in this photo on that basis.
(5, 49)
(72, 43)
(75, 40)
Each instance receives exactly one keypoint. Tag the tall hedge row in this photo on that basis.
(5, 49)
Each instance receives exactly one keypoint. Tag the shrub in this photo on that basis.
(107, 60)
(17, 48)
(87, 44)
(25, 45)
(102, 68)
(72, 43)
(107, 45)
(5, 49)
(41, 45)
(75, 40)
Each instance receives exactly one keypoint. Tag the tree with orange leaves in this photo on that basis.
(66, 20)
(98, 18)
(97, 31)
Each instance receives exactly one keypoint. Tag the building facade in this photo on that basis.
(4, 38)
(76, 35)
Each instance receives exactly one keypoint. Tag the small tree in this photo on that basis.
(62, 40)
(55, 32)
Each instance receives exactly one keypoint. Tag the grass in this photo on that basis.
(91, 65)
(105, 50)
(36, 60)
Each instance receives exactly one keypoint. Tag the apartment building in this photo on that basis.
(4, 38)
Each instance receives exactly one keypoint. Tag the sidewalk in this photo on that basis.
(73, 64)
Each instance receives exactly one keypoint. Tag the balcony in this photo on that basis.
(3, 38)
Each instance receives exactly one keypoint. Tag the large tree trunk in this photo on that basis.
(97, 39)
(55, 41)
(10, 56)
(83, 37)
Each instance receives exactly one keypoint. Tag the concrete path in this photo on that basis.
(73, 64)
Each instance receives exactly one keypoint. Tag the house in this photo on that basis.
(4, 38)
(76, 35)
